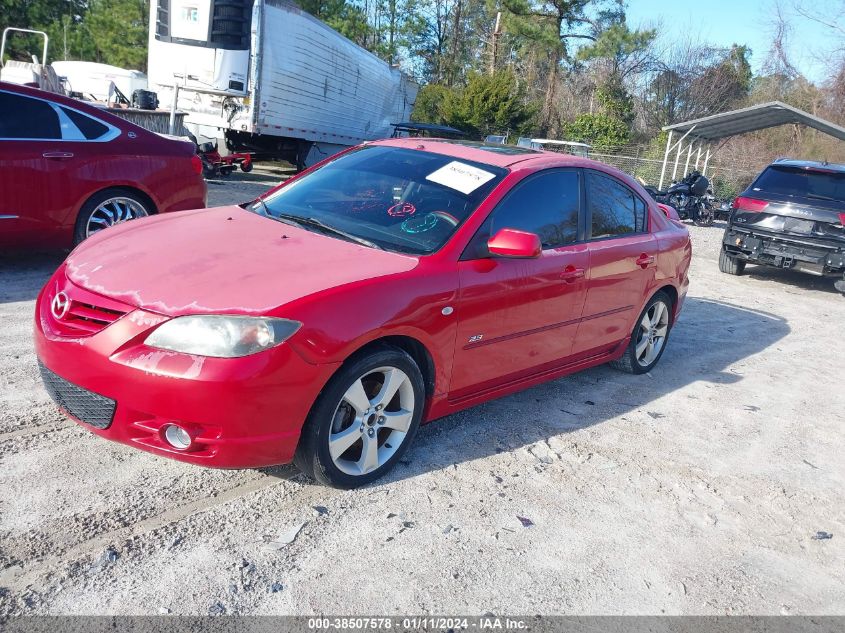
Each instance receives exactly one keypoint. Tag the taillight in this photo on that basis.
(750, 204)
(842, 219)
(196, 163)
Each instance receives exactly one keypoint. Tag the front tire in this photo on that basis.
(108, 208)
(363, 421)
(730, 265)
(648, 340)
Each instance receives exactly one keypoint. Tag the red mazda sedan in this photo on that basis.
(393, 284)
(70, 170)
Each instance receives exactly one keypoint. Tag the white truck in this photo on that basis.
(268, 77)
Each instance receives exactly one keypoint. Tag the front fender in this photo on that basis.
(340, 321)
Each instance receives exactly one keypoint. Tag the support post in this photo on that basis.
(665, 159)
(706, 160)
(698, 156)
(689, 155)
(172, 128)
(677, 158)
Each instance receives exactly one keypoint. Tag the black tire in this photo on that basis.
(730, 265)
(312, 454)
(80, 231)
(628, 362)
(208, 169)
(246, 167)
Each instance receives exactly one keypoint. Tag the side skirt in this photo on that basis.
(443, 406)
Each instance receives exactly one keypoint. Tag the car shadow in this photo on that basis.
(23, 274)
(710, 338)
(803, 281)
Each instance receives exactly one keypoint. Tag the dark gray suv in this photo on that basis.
(792, 216)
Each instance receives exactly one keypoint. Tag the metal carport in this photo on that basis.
(702, 132)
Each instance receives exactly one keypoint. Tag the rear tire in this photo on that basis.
(730, 265)
(363, 420)
(649, 338)
(107, 208)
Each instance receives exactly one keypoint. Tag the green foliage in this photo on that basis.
(617, 42)
(108, 31)
(118, 31)
(428, 107)
(599, 130)
(345, 17)
(489, 104)
(615, 100)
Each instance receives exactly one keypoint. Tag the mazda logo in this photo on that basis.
(60, 305)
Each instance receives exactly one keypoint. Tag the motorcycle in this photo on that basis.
(689, 198)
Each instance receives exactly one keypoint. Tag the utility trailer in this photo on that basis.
(267, 77)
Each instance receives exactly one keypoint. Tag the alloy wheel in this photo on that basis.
(113, 211)
(651, 335)
(371, 421)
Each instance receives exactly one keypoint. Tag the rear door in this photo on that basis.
(517, 317)
(622, 260)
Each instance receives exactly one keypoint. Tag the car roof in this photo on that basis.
(808, 164)
(551, 141)
(490, 154)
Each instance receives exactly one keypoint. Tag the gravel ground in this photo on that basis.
(702, 488)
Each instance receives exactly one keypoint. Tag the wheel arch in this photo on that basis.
(411, 346)
(130, 188)
(670, 290)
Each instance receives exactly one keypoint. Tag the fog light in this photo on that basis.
(177, 437)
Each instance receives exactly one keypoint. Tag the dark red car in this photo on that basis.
(69, 169)
(395, 283)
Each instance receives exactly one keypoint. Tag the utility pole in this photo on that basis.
(496, 34)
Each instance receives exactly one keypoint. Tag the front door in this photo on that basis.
(519, 316)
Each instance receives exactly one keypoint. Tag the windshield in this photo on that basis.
(794, 181)
(397, 199)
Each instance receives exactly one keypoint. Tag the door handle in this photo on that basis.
(571, 274)
(644, 260)
(57, 155)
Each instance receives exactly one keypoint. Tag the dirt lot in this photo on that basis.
(697, 489)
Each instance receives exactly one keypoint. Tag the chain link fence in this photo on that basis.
(727, 177)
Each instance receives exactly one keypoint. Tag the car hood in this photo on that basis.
(223, 260)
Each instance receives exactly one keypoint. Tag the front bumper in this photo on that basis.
(241, 413)
(805, 254)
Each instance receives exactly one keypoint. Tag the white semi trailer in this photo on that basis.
(266, 76)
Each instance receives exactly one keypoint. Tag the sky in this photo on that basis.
(724, 22)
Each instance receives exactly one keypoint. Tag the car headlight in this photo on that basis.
(221, 336)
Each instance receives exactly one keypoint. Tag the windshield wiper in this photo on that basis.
(816, 196)
(314, 223)
(264, 209)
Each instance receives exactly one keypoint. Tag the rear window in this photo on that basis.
(795, 181)
(91, 129)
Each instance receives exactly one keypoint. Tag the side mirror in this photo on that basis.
(513, 243)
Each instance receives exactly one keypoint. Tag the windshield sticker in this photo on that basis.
(402, 210)
(460, 176)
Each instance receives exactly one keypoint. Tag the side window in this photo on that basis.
(23, 117)
(641, 213)
(546, 204)
(615, 209)
(91, 128)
